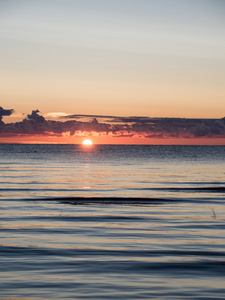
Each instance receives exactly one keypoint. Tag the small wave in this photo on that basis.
(114, 261)
(76, 252)
(216, 189)
(112, 200)
(50, 190)
(121, 201)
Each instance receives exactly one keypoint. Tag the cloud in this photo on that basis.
(36, 117)
(77, 116)
(102, 125)
(56, 115)
(5, 112)
(111, 119)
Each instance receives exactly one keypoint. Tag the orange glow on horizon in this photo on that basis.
(106, 139)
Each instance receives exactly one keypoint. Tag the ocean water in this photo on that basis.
(112, 222)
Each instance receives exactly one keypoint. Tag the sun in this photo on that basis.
(87, 143)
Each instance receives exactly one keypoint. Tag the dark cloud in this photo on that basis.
(132, 119)
(4, 112)
(130, 126)
(124, 135)
(111, 119)
(36, 117)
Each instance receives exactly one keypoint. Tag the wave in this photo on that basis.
(216, 189)
(114, 261)
(72, 252)
(121, 201)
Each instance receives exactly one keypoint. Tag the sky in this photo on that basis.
(145, 58)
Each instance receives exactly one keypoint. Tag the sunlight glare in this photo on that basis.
(87, 143)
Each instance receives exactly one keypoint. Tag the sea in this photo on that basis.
(112, 222)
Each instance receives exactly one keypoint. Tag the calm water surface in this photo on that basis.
(112, 222)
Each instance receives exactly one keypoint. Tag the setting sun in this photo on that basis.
(87, 143)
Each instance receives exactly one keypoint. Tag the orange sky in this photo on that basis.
(126, 58)
(36, 139)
